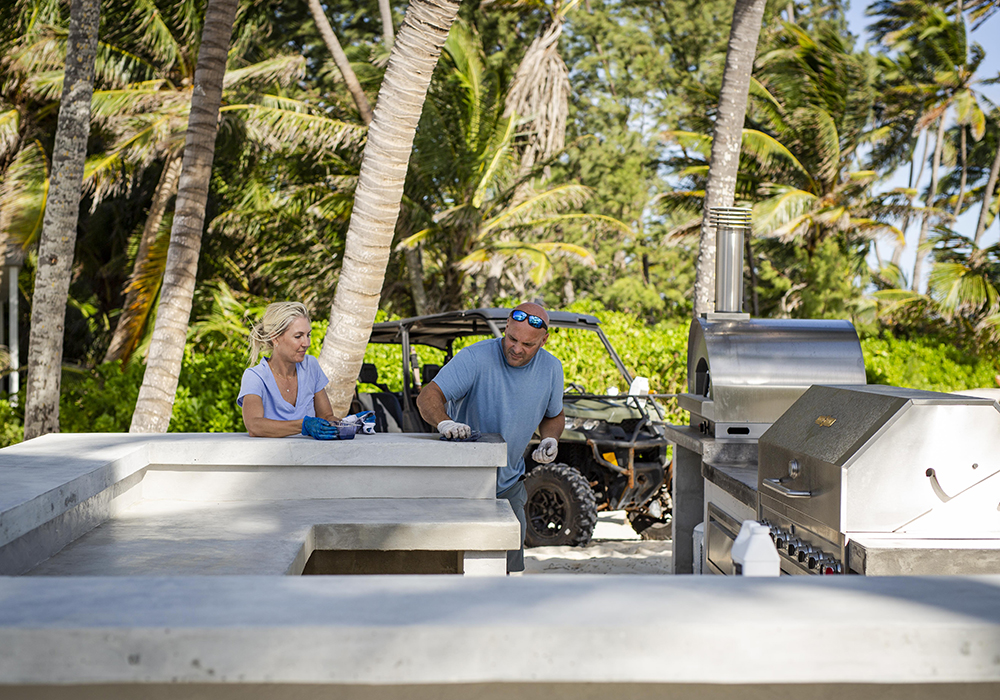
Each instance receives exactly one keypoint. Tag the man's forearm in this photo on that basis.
(431, 403)
(552, 427)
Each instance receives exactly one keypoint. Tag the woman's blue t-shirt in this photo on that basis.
(259, 381)
(483, 391)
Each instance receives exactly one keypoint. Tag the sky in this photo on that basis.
(990, 67)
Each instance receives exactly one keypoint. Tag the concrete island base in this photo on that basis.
(543, 637)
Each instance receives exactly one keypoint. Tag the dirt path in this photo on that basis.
(615, 549)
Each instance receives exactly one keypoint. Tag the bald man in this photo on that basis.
(506, 385)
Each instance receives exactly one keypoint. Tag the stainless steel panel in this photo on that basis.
(720, 533)
(901, 455)
(753, 370)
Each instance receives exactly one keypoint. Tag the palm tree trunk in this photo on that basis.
(897, 253)
(965, 171)
(380, 191)
(166, 351)
(988, 197)
(931, 196)
(385, 10)
(415, 268)
(727, 139)
(340, 58)
(62, 211)
(139, 295)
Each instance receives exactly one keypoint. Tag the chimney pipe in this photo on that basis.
(731, 224)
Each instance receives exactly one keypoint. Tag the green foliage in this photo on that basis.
(11, 424)
(929, 364)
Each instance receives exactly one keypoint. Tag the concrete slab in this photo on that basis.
(182, 538)
(816, 635)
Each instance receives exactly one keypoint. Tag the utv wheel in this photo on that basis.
(650, 528)
(561, 509)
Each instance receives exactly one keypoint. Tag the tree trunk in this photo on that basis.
(387, 30)
(62, 211)
(340, 58)
(928, 204)
(139, 294)
(897, 252)
(380, 191)
(988, 197)
(415, 268)
(166, 351)
(965, 171)
(726, 140)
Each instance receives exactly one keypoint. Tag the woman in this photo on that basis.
(283, 394)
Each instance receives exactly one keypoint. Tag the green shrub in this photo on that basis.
(920, 363)
(11, 424)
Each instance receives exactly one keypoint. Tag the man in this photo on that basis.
(506, 385)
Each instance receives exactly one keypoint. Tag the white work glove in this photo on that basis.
(546, 451)
(454, 430)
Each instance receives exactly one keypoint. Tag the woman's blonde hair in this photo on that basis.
(277, 317)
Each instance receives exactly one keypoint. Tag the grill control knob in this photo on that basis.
(805, 552)
(792, 547)
(814, 558)
(829, 567)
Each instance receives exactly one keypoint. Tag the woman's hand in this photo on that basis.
(319, 428)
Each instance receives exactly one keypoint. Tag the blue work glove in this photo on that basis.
(319, 428)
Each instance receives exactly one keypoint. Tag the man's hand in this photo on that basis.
(454, 430)
(546, 451)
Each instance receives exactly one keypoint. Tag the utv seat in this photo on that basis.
(428, 372)
(388, 412)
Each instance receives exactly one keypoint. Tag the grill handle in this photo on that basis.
(777, 485)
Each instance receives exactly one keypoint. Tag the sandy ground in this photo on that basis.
(615, 549)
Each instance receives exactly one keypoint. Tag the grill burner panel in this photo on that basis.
(897, 468)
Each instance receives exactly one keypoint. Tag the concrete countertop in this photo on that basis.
(448, 630)
(738, 480)
(43, 478)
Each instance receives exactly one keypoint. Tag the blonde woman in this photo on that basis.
(283, 394)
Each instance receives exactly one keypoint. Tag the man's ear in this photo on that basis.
(544, 338)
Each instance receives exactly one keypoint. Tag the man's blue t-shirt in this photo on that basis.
(483, 391)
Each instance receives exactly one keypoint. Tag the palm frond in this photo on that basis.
(23, 195)
(786, 208)
(281, 129)
(10, 123)
(549, 200)
(281, 70)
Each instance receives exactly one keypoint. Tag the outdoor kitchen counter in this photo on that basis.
(739, 480)
(699, 456)
(452, 638)
(56, 489)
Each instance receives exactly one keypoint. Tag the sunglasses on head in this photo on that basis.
(533, 321)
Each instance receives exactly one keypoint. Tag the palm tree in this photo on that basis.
(58, 237)
(163, 365)
(414, 54)
(340, 58)
(991, 183)
(468, 199)
(721, 187)
(938, 45)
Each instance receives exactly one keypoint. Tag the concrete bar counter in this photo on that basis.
(225, 504)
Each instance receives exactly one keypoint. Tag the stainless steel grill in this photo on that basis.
(883, 480)
(744, 373)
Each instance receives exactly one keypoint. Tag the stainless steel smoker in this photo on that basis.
(881, 480)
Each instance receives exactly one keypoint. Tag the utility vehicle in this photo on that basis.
(612, 454)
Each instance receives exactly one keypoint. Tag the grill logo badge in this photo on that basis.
(825, 421)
